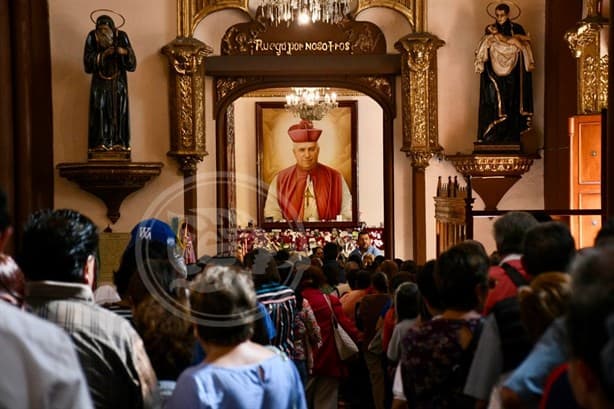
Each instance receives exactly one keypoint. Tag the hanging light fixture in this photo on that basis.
(311, 103)
(327, 11)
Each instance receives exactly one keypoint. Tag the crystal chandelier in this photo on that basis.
(327, 11)
(311, 103)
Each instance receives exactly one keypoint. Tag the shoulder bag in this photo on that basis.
(346, 347)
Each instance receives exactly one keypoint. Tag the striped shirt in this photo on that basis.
(280, 302)
(111, 353)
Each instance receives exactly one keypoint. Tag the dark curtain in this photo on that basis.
(26, 131)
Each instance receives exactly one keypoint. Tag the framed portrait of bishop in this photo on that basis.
(306, 169)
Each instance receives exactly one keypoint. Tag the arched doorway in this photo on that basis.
(380, 90)
(361, 65)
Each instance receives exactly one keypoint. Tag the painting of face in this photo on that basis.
(306, 155)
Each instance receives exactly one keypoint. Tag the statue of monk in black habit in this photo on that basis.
(107, 56)
(504, 60)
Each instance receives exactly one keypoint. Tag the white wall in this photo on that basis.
(151, 25)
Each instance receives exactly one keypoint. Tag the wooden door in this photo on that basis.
(585, 166)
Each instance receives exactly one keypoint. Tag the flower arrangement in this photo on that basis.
(304, 241)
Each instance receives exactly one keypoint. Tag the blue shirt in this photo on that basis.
(272, 384)
(370, 250)
(529, 378)
(268, 322)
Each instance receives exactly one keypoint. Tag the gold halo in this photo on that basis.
(510, 3)
(112, 12)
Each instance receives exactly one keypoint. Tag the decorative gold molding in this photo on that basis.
(492, 175)
(379, 87)
(592, 67)
(199, 9)
(260, 36)
(414, 11)
(420, 159)
(492, 165)
(187, 162)
(226, 85)
(282, 92)
(419, 100)
(187, 101)
(384, 85)
(593, 7)
(230, 238)
(191, 12)
(184, 18)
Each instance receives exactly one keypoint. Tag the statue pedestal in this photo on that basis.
(492, 174)
(486, 148)
(109, 155)
(110, 181)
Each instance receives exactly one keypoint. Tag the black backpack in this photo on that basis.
(515, 341)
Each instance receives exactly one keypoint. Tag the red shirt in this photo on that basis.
(504, 287)
(390, 320)
(326, 359)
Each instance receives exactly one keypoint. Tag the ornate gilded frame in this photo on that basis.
(191, 12)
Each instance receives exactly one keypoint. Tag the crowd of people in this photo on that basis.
(531, 325)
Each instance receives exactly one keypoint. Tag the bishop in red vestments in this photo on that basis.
(308, 190)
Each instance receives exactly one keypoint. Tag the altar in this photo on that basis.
(303, 241)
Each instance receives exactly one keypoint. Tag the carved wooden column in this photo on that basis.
(592, 64)
(187, 107)
(419, 113)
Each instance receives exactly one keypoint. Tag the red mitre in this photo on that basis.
(304, 132)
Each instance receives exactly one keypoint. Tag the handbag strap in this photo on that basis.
(514, 275)
(332, 312)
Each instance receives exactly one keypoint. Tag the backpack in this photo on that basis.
(515, 341)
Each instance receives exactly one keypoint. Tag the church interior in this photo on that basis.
(207, 98)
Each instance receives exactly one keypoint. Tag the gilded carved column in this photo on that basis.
(187, 103)
(419, 97)
(186, 57)
(585, 41)
(419, 114)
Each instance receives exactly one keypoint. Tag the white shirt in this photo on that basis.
(39, 364)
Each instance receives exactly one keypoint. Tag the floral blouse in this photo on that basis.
(307, 335)
(434, 364)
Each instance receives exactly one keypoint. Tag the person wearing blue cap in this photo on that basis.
(152, 277)
(152, 253)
